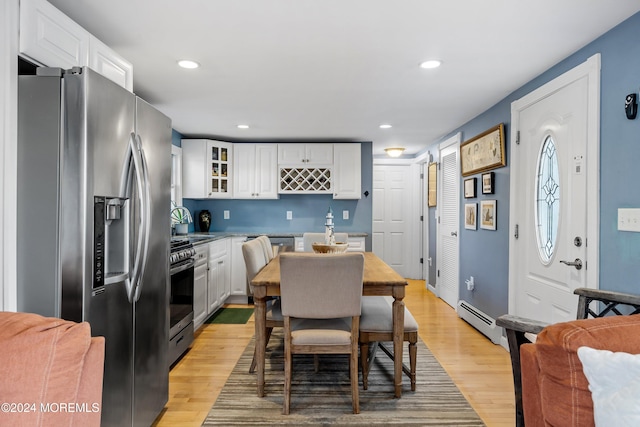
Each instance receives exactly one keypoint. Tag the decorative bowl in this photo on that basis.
(323, 248)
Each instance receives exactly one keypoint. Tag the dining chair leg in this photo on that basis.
(413, 353)
(252, 368)
(353, 368)
(316, 363)
(287, 376)
(364, 363)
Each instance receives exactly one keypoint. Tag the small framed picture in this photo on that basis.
(487, 183)
(470, 188)
(471, 216)
(488, 214)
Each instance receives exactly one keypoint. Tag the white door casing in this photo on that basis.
(391, 236)
(448, 208)
(565, 111)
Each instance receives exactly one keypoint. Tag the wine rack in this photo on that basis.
(305, 180)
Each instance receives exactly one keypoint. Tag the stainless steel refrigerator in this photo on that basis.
(93, 226)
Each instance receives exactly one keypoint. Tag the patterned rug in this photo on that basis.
(324, 398)
(231, 315)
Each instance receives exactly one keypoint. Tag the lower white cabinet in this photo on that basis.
(200, 285)
(238, 272)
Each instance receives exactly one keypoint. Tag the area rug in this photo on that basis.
(230, 316)
(324, 398)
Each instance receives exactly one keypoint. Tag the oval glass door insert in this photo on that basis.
(547, 202)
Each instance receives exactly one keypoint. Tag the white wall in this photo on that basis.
(8, 150)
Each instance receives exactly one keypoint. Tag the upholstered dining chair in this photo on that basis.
(309, 238)
(268, 248)
(255, 259)
(376, 327)
(321, 301)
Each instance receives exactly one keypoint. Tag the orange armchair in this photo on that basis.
(549, 383)
(51, 372)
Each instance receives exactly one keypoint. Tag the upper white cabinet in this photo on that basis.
(51, 38)
(107, 62)
(305, 154)
(255, 171)
(347, 176)
(206, 169)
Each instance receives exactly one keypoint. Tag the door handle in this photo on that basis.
(577, 263)
(454, 233)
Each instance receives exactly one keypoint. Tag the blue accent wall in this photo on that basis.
(309, 210)
(484, 254)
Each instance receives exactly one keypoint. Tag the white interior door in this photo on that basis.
(391, 215)
(447, 262)
(552, 181)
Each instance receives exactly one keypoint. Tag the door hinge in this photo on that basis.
(421, 176)
(438, 273)
(421, 217)
(518, 137)
(421, 260)
(516, 232)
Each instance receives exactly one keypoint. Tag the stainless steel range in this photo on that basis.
(181, 300)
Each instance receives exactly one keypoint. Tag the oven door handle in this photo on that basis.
(182, 267)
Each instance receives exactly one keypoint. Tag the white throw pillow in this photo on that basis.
(614, 381)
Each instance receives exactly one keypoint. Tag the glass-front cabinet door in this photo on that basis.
(219, 165)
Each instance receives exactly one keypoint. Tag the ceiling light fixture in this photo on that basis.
(385, 126)
(394, 151)
(243, 126)
(186, 63)
(430, 64)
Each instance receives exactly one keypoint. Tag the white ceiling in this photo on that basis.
(335, 70)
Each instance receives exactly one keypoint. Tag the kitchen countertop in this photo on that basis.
(200, 238)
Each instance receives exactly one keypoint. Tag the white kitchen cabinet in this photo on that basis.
(305, 154)
(347, 171)
(51, 38)
(107, 62)
(238, 293)
(206, 169)
(255, 171)
(219, 277)
(200, 285)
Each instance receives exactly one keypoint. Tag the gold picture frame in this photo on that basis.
(432, 190)
(483, 152)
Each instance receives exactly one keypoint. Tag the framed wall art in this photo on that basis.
(483, 152)
(470, 188)
(487, 183)
(471, 216)
(488, 214)
(433, 188)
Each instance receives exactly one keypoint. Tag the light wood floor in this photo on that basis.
(480, 369)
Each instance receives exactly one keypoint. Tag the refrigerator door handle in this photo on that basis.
(142, 247)
(145, 214)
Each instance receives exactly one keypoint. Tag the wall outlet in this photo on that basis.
(470, 284)
(289, 215)
(226, 214)
(345, 214)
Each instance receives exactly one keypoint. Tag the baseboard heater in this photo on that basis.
(480, 321)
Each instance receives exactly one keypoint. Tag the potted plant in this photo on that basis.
(180, 218)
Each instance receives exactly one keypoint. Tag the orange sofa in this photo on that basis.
(555, 391)
(51, 372)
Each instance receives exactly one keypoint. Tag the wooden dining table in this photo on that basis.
(379, 280)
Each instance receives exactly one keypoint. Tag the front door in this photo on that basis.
(553, 189)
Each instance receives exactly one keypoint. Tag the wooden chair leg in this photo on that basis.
(316, 363)
(364, 363)
(288, 358)
(353, 369)
(413, 353)
(252, 368)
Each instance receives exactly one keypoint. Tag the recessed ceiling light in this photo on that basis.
(243, 126)
(186, 63)
(394, 151)
(385, 126)
(432, 63)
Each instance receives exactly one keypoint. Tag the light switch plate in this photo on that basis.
(629, 219)
(289, 215)
(226, 214)
(345, 214)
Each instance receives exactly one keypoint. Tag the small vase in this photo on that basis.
(204, 220)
